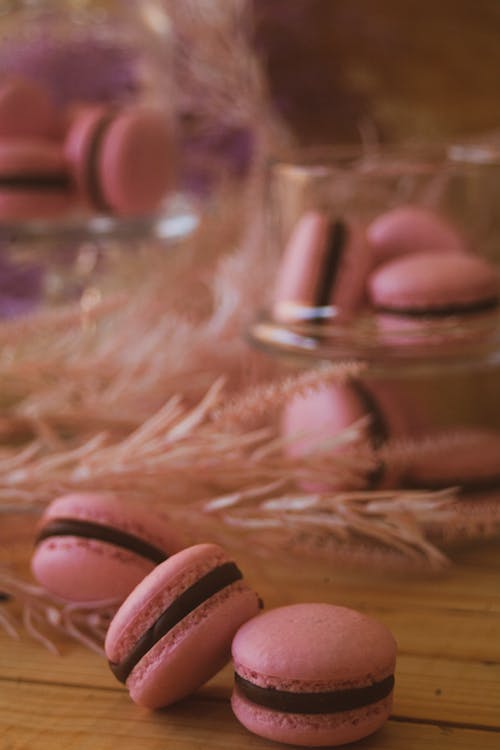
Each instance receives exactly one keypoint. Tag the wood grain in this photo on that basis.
(81, 718)
(447, 680)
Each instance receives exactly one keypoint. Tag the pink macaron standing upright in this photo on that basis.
(321, 421)
(323, 268)
(174, 631)
(34, 180)
(122, 160)
(96, 546)
(313, 675)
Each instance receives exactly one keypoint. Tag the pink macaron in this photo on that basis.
(96, 546)
(174, 631)
(320, 423)
(430, 285)
(412, 229)
(313, 675)
(122, 160)
(323, 270)
(468, 459)
(26, 110)
(34, 180)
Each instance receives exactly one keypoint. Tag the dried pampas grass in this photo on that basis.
(165, 403)
(147, 387)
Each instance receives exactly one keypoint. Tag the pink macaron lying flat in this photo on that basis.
(174, 631)
(26, 110)
(412, 229)
(467, 458)
(122, 160)
(426, 284)
(324, 266)
(34, 180)
(313, 675)
(96, 546)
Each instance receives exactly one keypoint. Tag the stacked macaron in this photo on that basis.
(409, 269)
(409, 261)
(55, 164)
(306, 674)
(178, 607)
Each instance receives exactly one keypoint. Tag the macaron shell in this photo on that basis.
(195, 650)
(112, 510)
(21, 156)
(308, 648)
(317, 423)
(35, 158)
(304, 264)
(300, 264)
(78, 145)
(412, 229)
(314, 646)
(427, 282)
(156, 592)
(310, 730)
(198, 646)
(349, 294)
(25, 110)
(81, 569)
(136, 168)
(461, 458)
(320, 415)
(33, 204)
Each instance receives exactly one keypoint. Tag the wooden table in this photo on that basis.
(447, 682)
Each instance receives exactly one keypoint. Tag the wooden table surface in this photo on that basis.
(447, 682)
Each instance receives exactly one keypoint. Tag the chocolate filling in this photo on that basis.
(102, 533)
(93, 180)
(378, 427)
(55, 181)
(328, 702)
(210, 584)
(337, 240)
(441, 312)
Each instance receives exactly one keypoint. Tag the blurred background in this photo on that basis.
(416, 69)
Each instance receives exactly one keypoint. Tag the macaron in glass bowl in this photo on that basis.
(390, 258)
(90, 192)
(88, 141)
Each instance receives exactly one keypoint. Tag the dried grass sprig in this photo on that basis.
(186, 446)
(268, 399)
(44, 618)
(155, 394)
(390, 520)
(217, 71)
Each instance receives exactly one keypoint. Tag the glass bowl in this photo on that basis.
(440, 372)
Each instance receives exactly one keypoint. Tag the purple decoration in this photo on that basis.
(21, 288)
(82, 70)
(226, 151)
